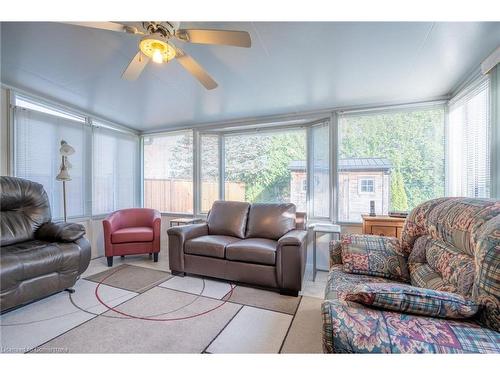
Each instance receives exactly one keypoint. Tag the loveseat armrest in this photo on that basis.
(60, 232)
(291, 255)
(177, 237)
(294, 237)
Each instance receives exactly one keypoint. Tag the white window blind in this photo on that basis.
(115, 167)
(469, 141)
(37, 137)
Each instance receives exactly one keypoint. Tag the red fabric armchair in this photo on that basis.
(132, 231)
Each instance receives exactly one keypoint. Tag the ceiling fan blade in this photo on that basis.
(135, 67)
(195, 69)
(111, 26)
(225, 37)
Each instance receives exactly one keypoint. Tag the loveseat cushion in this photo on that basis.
(375, 256)
(210, 246)
(270, 221)
(133, 234)
(350, 327)
(413, 300)
(253, 250)
(227, 218)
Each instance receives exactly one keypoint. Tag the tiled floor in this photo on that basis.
(248, 320)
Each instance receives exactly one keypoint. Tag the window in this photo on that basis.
(168, 172)
(366, 185)
(468, 142)
(320, 170)
(402, 149)
(210, 176)
(267, 166)
(38, 131)
(115, 169)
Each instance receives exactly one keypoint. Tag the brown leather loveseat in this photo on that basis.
(262, 244)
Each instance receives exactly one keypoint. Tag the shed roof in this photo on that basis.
(349, 164)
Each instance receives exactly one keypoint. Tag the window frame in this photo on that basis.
(195, 175)
(56, 109)
(443, 104)
(366, 179)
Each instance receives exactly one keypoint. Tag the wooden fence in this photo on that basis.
(171, 195)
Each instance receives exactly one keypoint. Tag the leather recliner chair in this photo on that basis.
(262, 244)
(38, 257)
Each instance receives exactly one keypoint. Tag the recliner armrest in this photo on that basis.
(294, 237)
(61, 232)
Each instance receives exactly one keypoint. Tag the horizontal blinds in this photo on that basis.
(469, 141)
(115, 167)
(37, 141)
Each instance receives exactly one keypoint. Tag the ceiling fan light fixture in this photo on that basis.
(157, 48)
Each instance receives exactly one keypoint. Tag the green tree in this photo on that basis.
(412, 141)
(399, 200)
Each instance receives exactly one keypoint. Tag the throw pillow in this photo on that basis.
(413, 300)
(374, 256)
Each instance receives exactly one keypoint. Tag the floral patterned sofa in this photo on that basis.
(450, 247)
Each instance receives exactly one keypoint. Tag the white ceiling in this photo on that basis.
(291, 67)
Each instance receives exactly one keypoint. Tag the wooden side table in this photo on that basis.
(383, 225)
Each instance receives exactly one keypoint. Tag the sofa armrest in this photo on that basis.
(61, 232)
(335, 252)
(291, 255)
(177, 237)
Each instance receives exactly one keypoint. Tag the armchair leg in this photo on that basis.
(155, 257)
(110, 261)
(178, 273)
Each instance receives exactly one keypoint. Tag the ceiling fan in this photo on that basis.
(156, 45)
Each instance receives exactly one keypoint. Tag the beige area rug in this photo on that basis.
(106, 334)
(250, 321)
(133, 278)
(265, 299)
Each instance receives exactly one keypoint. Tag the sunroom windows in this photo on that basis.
(394, 157)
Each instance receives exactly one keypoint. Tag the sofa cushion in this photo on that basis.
(353, 328)
(413, 300)
(210, 246)
(253, 250)
(133, 234)
(271, 220)
(228, 218)
(454, 247)
(375, 256)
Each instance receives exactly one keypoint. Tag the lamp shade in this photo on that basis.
(66, 149)
(63, 174)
